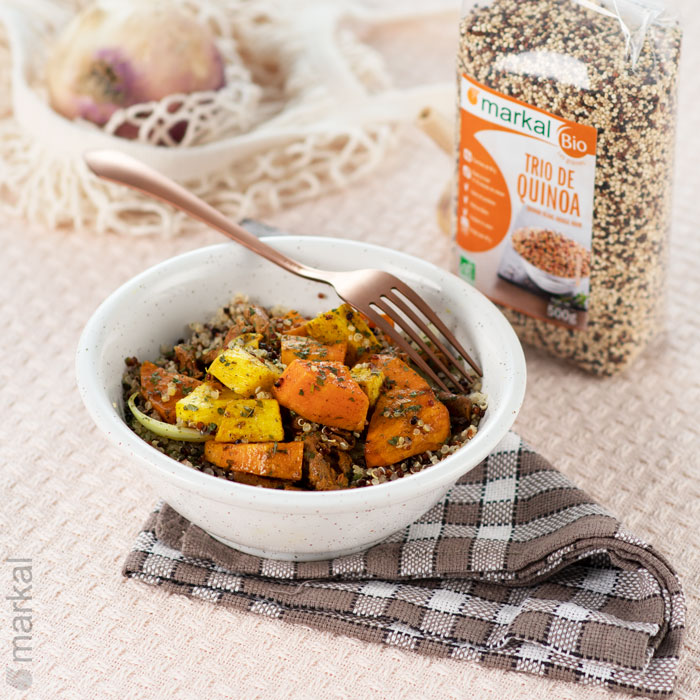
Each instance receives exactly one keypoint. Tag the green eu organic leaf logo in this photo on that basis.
(467, 269)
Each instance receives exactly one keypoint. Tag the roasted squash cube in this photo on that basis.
(370, 380)
(405, 423)
(164, 389)
(251, 420)
(323, 392)
(205, 404)
(242, 372)
(279, 460)
(397, 374)
(295, 347)
(344, 324)
(293, 323)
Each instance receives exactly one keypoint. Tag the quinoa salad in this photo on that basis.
(268, 397)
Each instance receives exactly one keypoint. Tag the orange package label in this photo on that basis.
(525, 205)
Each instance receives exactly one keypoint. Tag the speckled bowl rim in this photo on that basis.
(447, 471)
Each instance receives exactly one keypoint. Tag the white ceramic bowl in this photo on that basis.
(552, 283)
(155, 307)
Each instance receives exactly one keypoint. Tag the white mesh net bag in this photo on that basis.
(306, 108)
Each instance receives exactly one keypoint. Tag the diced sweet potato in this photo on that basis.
(405, 423)
(323, 392)
(278, 460)
(243, 372)
(397, 374)
(344, 324)
(296, 325)
(370, 380)
(251, 420)
(296, 347)
(164, 389)
(206, 404)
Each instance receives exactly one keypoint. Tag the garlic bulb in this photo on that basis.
(117, 53)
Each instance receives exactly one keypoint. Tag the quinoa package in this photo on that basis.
(567, 114)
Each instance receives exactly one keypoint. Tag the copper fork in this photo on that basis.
(373, 292)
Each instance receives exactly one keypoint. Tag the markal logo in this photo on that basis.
(18, 675)
(575, 140)
(522, 118)
(498, 109)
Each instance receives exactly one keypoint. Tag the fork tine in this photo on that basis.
(415, 337)
(438, 346)
(403, 344)
(435, 320)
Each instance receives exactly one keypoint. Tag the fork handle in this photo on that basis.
(125, 170)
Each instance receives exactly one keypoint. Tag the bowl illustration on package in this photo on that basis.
(554, 262)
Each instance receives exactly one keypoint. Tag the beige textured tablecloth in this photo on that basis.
(71, 504)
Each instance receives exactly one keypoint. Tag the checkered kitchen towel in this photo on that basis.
(515, 568)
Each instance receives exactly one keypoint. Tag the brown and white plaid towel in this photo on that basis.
(515, 568)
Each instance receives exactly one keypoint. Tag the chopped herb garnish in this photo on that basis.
(393, 440)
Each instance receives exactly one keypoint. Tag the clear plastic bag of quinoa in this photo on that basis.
(566, 135)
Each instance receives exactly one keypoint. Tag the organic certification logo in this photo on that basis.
(467, 269)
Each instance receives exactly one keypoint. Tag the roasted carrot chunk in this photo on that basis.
(277, 460)
(296, 347)
(297, 325)
(397, 374)
(323, 392)
(405, 423)
(164, 389)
